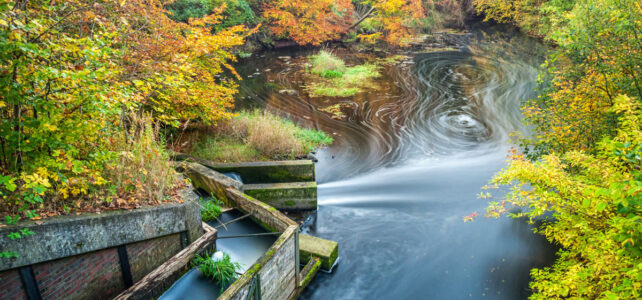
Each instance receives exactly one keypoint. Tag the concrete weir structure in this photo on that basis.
(284, 185)
(276, 275)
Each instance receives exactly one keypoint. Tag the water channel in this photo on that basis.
(408, 160)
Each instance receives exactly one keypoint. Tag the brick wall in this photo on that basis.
(145, 256)
(93, 275)
(11, 286)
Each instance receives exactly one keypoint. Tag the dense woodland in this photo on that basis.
(89, 87)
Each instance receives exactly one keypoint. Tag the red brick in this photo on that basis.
(11, 285)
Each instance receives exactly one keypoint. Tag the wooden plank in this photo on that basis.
(159, 280)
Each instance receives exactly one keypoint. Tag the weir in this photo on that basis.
(265, 242)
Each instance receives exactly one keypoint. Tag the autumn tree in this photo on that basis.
(309, 21)
(393, 21)
(78, 76)
(579, 172)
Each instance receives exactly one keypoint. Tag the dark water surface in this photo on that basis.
(408, 160)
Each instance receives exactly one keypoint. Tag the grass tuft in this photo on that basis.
(337, 80)
(327, 65)
(223, 271)
(210, 209)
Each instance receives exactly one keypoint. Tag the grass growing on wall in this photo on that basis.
(257, 136)
(334, 79)
(210, 209)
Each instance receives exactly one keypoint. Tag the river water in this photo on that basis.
(408, 160)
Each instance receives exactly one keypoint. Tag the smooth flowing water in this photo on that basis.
(233, 240)
(407, 163)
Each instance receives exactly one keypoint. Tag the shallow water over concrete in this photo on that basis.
(408, 161)
(244, 250)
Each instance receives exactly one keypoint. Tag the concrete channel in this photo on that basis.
(275, 266)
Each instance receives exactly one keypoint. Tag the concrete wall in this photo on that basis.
(263, 171)
(265, 215)
(77, 257)
(154, 284)
(276, 271)
(209, 180)
(291, 196)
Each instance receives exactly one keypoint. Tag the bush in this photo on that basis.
(596, 212)
(210, 209)
(74, 74)
(223, 270)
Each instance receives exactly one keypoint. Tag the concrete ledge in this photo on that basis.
(65, 236)
(285, 196)
(155, 283)
(327, 251)
(208, 179)
(265, 215)
(262, 171)
(307, 274)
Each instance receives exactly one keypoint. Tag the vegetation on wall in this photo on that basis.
(580, 171)
(210, 209)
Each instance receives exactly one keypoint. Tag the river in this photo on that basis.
(407, 163)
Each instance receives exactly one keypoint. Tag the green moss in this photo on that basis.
(310, 275)
(290, 203)
(264, 225)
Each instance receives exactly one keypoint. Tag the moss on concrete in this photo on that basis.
(326, 250)
(285, 196)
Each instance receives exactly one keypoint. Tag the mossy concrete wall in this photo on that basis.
(262, 171)
(285, 196)
(311, 246)
(276, 271)
(267, 216)
(77, 257)
(208, 180)
(65, 236)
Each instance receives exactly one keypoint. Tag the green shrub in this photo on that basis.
(237, 12)
(183, 10)
(210, 209)
(222, 271)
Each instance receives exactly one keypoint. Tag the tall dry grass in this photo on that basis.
(250, 136)
(142, 172)
(269, 135)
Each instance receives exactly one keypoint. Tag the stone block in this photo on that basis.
(326, 250)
